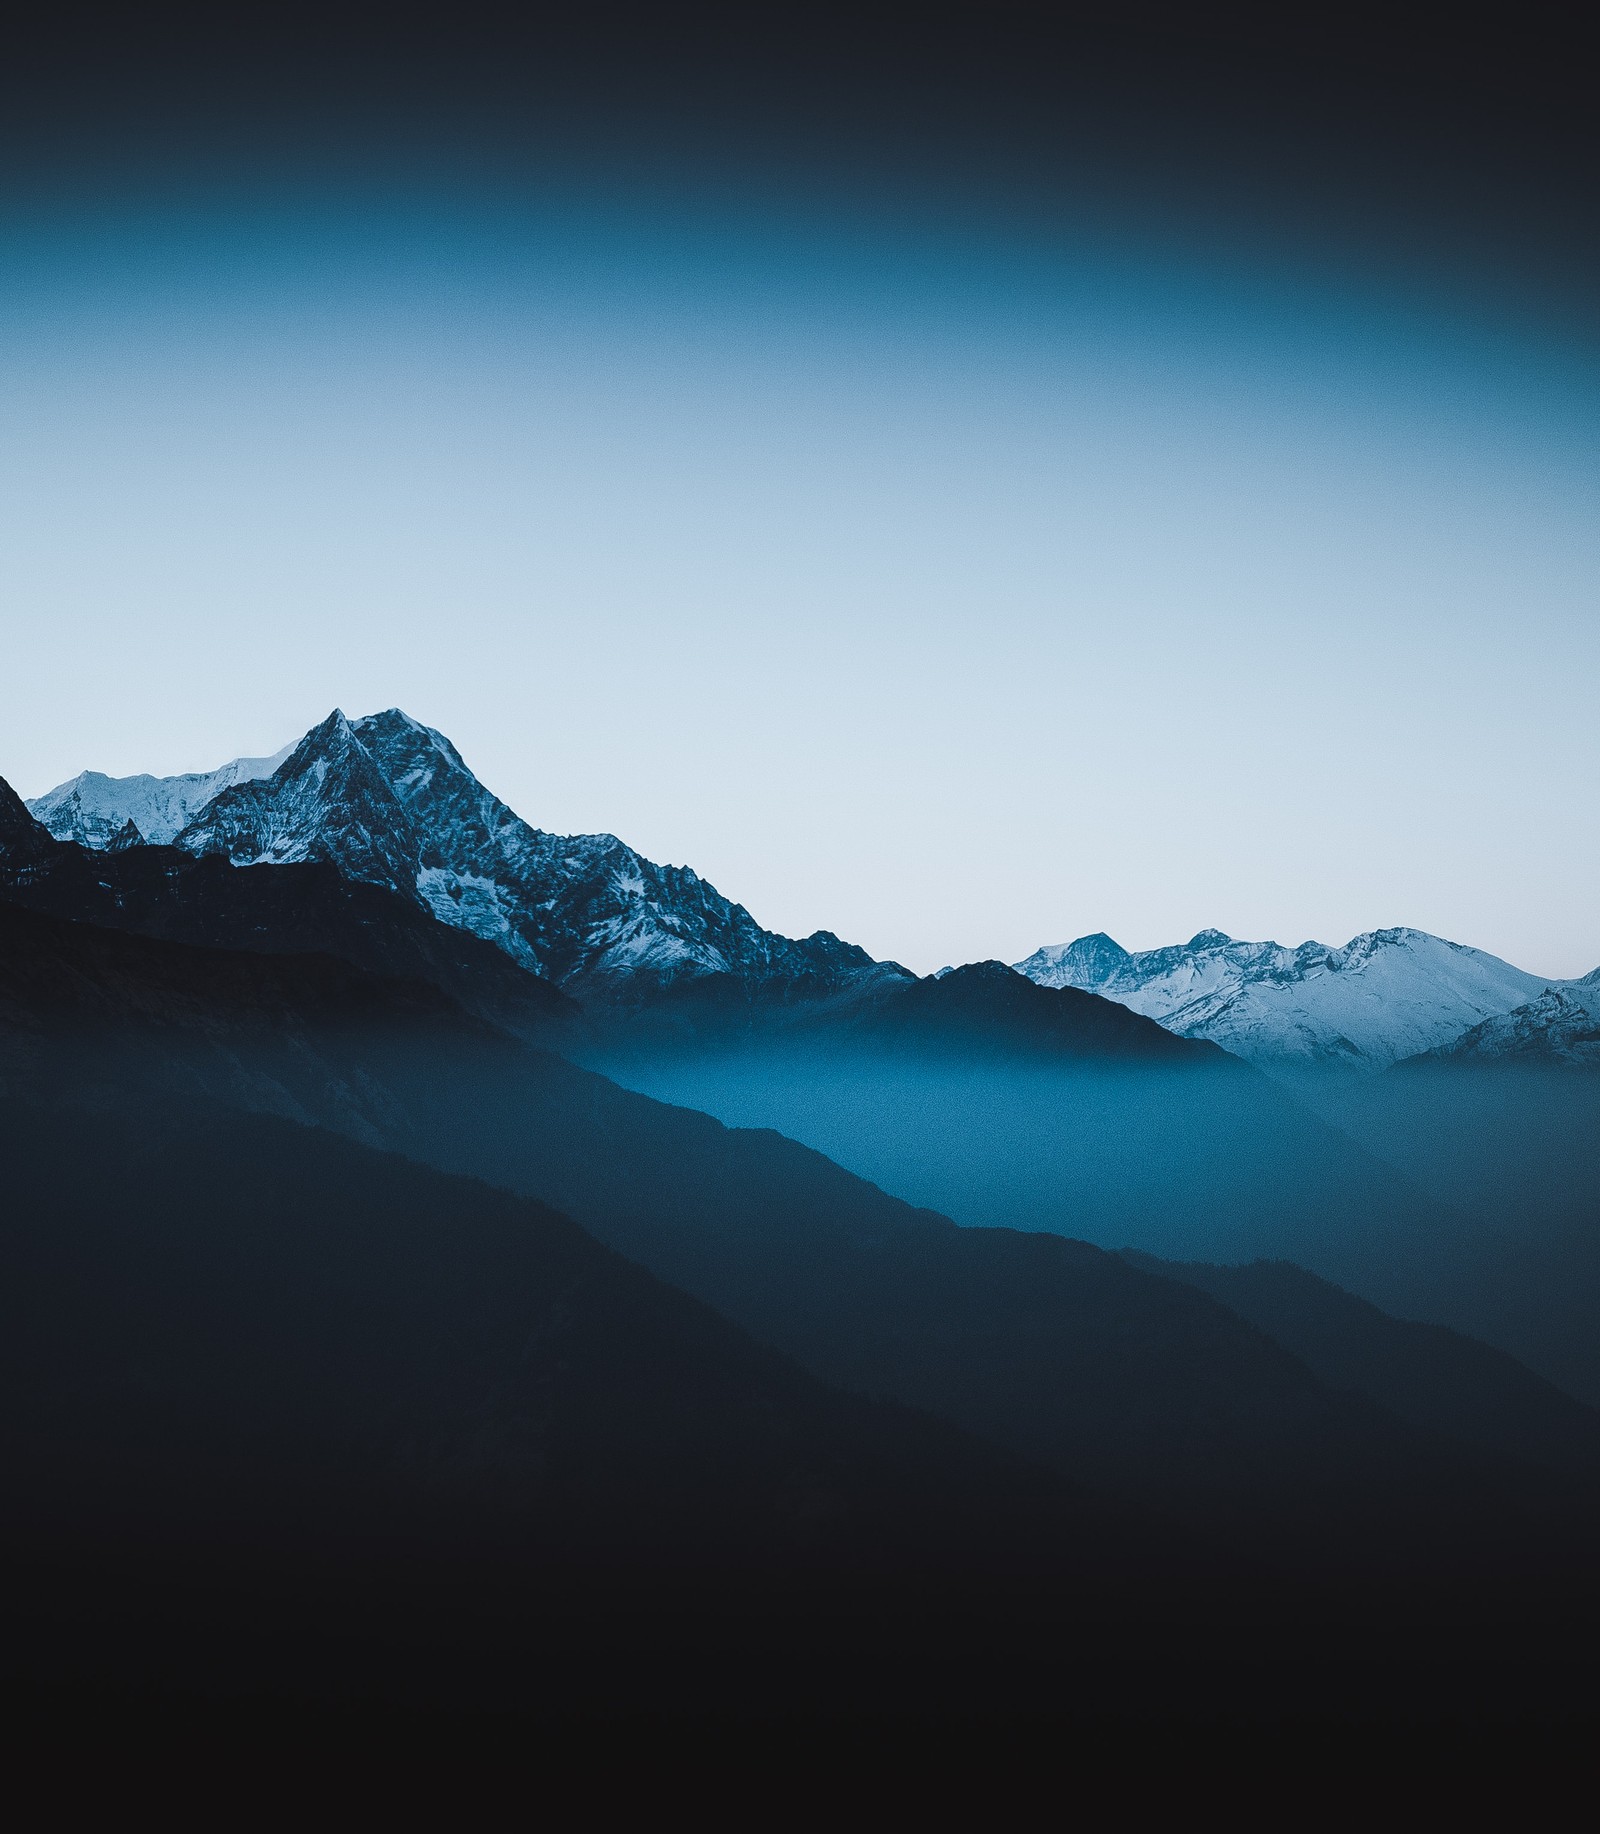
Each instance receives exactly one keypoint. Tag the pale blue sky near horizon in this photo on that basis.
(951, 586)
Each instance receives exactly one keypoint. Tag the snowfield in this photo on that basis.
(1384, 996)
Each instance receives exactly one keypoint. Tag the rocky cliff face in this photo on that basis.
(390, 802)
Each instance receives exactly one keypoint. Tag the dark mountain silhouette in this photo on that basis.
(222, 1323)
(988, 1009)
(1002, 1103)
(22, 840)
(289, 1420)
(1135, 1385)
(1435, 1378)
(294, 909)
(312, 906)
(1509, 1145)
(913, 1084)
(292, 1415)
(984, 1012)
(286, 1413)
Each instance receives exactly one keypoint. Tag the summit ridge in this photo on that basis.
(94, 809)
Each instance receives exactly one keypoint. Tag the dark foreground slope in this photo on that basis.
(219, 1324)
(249, 1359)
(1134, 1385)
(1514, 1149)
(288, 1419)
(292, 1416)
(307, 908)
(1433, 1377)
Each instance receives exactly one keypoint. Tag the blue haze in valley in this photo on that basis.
(954, 581)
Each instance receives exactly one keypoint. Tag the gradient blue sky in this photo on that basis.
(955, 583)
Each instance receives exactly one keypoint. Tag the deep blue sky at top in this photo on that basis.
(957, 526)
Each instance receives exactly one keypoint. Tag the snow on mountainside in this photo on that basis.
(95, 810)
(389, 801)
(1560, 1027)
(1384, 996)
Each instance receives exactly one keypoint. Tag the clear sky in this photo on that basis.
(954, 582)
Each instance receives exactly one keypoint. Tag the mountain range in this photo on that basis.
(389, 802)
(99, 811)
(977, 1092)
(1145, 1391)
(327, 1262)
(1383, 997)
(306, 908)
(980, 1093)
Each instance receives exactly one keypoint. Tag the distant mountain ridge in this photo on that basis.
(1384, 996)
(390, 802)
(984, 1012)
(96, 810)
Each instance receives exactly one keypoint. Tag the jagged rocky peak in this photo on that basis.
(328, 800)
(390, 801)
(1087, 963)
(415, 757)
(14, 814)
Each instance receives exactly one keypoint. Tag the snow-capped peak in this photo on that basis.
(1087, 962)
(391, 801)
(1384, 995)
(95, 810)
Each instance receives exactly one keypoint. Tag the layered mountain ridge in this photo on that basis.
(237, 1315)
(978, 1092)
(372, 1405)
(1064, 1355)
